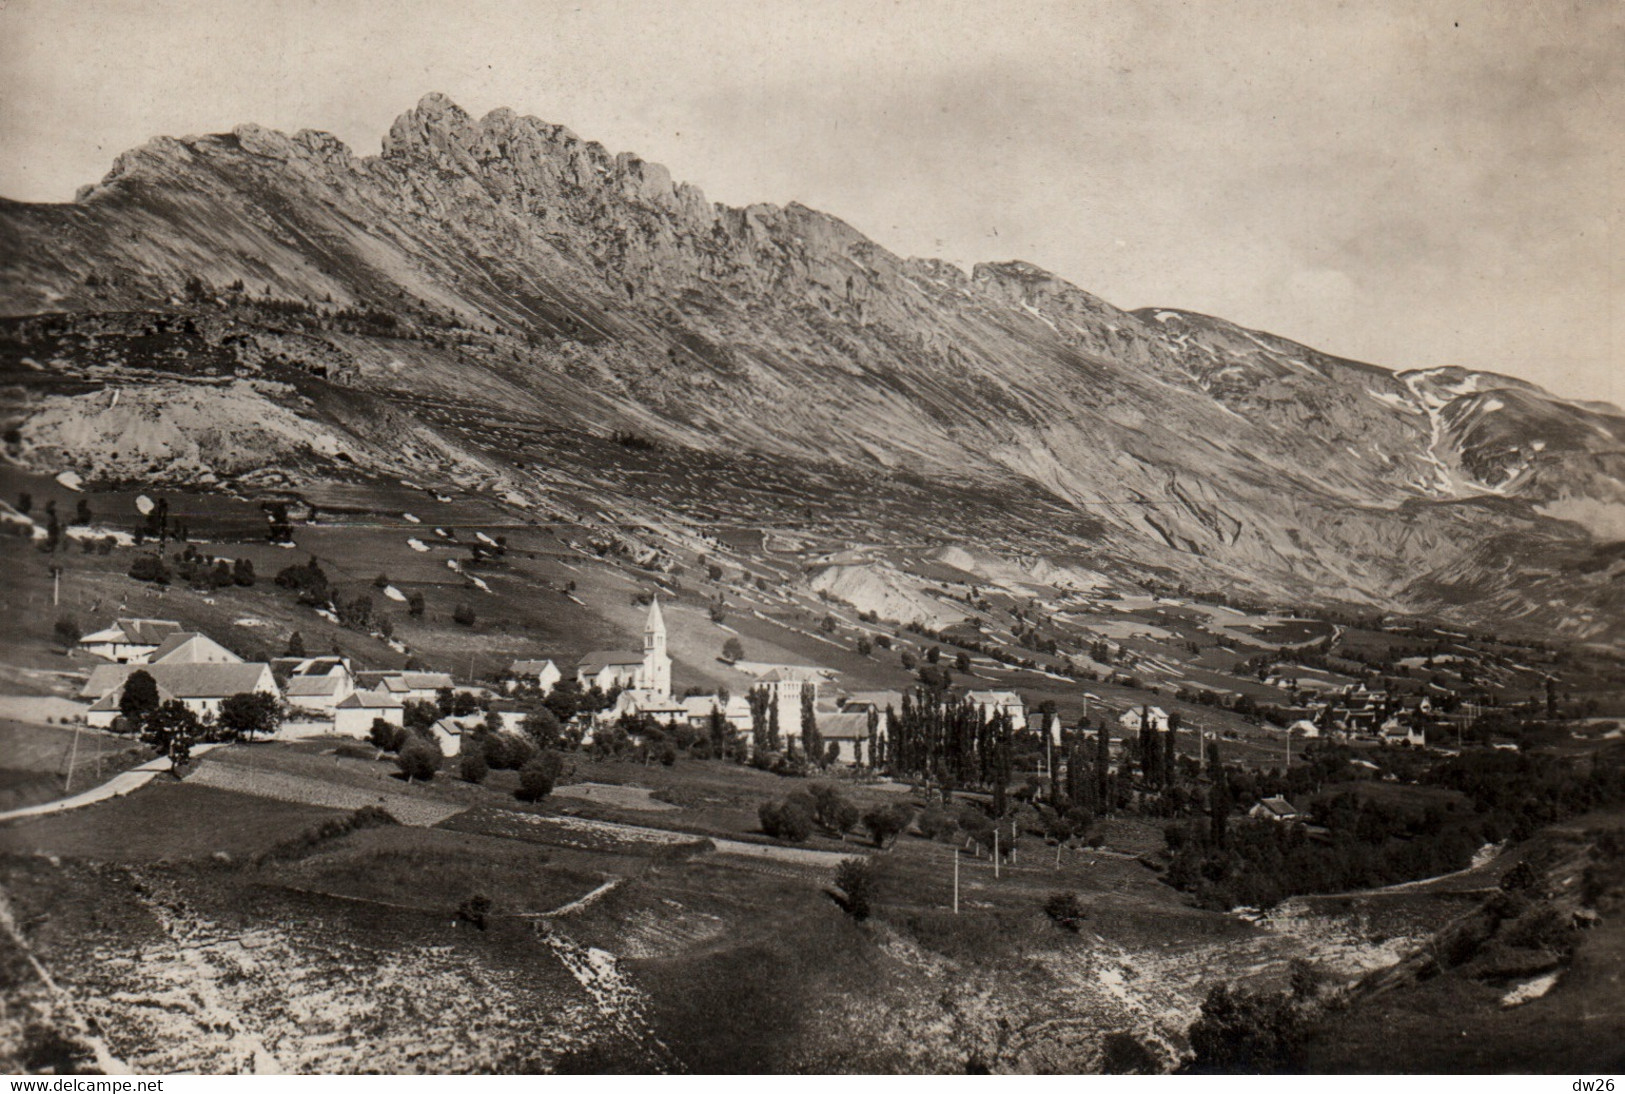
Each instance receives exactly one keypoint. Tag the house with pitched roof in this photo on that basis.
(1155, 717)
(187, 648)
(991, 704)
(423, 686)
(1276, 809)
(736, 711)
(354, 714)
(202, 687)
(541, 675)
(129, 641)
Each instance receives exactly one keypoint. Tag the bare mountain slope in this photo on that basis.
(504, 267)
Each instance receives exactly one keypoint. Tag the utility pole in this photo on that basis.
(955, 851)
(73, 754)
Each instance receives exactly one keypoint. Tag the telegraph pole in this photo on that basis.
(73, 754)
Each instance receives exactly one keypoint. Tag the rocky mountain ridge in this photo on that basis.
(521, 271)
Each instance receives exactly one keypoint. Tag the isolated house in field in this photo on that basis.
(202, 687)
(991, 704)
(541, 675)
(186, 648)
(129, 641)
(354, 714)
(1276, 809)
(1155, 717)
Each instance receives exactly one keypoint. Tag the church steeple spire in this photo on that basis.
(656, 662)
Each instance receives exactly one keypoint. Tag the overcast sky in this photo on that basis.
(1413, 184)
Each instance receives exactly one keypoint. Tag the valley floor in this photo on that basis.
(177, 936)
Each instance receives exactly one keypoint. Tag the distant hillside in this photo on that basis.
(254, 309)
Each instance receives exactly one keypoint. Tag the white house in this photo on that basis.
(991, 704)
(788, 684)
(202, 687)
(317, 683)
(1276, 809)
(642, 702)
(849, 730)
(607, 669)
(355, 713)
(534, 674)
(1303, 727)
(129, 641)
(1155, 717)
(736, 711)
(421, 686)
(1395, 732)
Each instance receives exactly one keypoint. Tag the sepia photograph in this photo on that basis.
(820, 537)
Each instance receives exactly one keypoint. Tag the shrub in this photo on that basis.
(67, 631)
(847, 817)
(250, 712)
(856, 878)
(474, 910)
(1064, 911)
(1542, 927)
(538, 777)
(507, 751)
(936, 823)
(789, 820)
(464, 615)
(149, 568)
(542, 726)
(884, 822)
(733, 650)
(386, 735)
(1247, 1032)
(419, 758)
(471, 764)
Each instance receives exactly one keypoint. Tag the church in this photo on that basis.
(648, 674)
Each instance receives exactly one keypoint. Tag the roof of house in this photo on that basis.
(306, 666)
(853, 726)
(995, 698)
(530, 668)
(880, 700)
(369, 700)
(181, 681)
(793, 674)
(599, 660)
(302, 686)
(135, 632)
(147, 632)
(188, 646)
(1280, 807)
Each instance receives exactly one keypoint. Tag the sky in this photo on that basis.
(1412, 184)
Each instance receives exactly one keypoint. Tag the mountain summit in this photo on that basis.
(485, 276)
